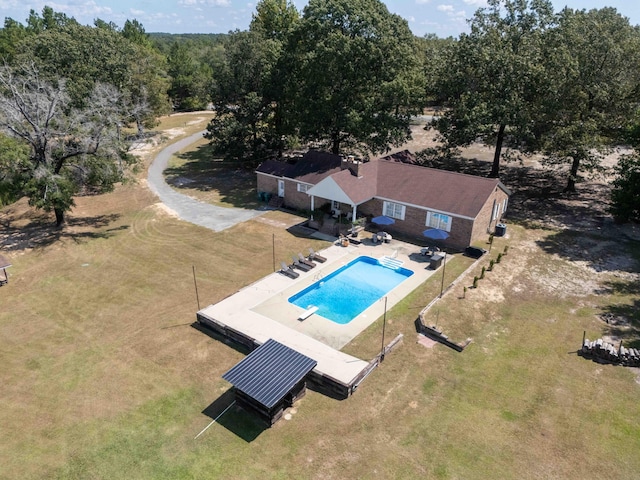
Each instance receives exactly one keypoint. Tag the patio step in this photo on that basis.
(389, 262)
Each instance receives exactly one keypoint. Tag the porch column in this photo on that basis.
(312, 206)
(353, 213)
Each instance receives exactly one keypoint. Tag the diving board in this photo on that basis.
(307, 313)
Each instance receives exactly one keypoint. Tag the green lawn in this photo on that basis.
(211, 181)
(104, 377)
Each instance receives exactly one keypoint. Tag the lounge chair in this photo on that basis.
(288, 271)
(314, 257)
(300, 266)
(301, 259)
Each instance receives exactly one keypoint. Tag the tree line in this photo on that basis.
(344, 75)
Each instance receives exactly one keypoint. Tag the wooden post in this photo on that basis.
(273, 248)
(196, 285)
(384, 323)
(444, 267)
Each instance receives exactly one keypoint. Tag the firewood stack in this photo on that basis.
(604, 351)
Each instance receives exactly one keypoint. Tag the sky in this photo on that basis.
(441, 17)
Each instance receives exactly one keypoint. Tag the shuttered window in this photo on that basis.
(394, 210)
(439, 220)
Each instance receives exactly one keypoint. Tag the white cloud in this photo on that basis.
(445, 8)
(476, 3)
(77, 9)
(207, 3)
(135, 11)
(422, 2)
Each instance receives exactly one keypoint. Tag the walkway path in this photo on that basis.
(187, 208)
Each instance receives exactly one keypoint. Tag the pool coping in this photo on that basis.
(262, 311)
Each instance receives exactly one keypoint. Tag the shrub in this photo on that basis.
(498, 258)
(491, 263)
(482, 273)
(475, 282)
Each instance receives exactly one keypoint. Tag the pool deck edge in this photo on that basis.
(260, 311)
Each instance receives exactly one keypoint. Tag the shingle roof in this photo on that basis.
(268, 373)
(393, 178)
(311, 168)
(360, 188)
(404, 156)
(441, 190)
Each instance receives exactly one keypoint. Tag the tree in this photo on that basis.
(274, 19)
(50, 20)
(494, 78)
(435, 53)
(356, 74)
(10, 37)
(70, 149)
(250, 87)
(189, 78)
(241, 128)
(14, 160)
(87, 55)
(625, 195)
(593, 77)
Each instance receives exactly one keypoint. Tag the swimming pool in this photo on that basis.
(346, 293)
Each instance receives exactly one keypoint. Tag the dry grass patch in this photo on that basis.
(104, 377)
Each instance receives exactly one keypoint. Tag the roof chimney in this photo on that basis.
(352, 164)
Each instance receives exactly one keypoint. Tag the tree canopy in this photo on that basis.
(357, 74)
(494, 76)
(70, 149)
(592, 61)
(250, 91)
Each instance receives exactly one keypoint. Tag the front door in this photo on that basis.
(281, 188)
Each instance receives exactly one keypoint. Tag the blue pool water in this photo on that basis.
(346, 293)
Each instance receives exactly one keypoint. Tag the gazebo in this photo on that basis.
(4, 264)
(270, 379)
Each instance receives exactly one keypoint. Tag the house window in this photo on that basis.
(303, 187)
(394, 210)
(439, 220)
(504, 205)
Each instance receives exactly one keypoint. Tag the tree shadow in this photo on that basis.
(600, 251)
(34, 230)
(201, 171)
(235, 419)
(623, 319)
(537, 194)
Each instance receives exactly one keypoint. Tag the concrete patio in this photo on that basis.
(261, 310)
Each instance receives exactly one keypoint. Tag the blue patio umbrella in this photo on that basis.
(383, 220)
(435, 234)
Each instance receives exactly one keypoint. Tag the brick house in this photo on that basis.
(468, 207)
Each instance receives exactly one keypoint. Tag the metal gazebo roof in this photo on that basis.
(268, 373)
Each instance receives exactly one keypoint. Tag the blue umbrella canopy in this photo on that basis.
(383, 220)
(435, 234)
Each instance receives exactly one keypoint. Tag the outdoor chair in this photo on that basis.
(384, 237)
(301, 259)
(300, 266)
(288, 271)
(314, 257)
